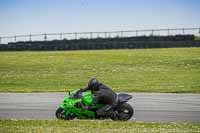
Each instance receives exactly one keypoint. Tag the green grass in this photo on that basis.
(175, 70)
(85, 126)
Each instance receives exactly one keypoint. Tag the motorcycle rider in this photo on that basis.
(101, 94)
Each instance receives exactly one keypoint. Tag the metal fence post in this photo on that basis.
(30, 37)
(105, 34)
(75, 35)
(109, 35)
(45, 36)
(90, 35)
(60, 36)
(121, 33)
(136, 32)
(199, 31)
(168, 32)
(152, 32)
(15, 38)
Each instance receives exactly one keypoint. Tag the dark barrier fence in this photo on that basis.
(101, 34)
(105, 43)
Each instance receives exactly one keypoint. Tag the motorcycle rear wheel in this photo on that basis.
(123, 112)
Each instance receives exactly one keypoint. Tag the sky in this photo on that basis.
(19, 17)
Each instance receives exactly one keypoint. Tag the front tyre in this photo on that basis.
(60, 114)
(123, 112)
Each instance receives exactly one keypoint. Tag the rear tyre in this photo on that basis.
(123, 112)
(60, 114)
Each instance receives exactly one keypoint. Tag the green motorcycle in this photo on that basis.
(72, 105)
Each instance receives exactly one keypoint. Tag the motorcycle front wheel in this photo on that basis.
(60, 114)
(123, 112)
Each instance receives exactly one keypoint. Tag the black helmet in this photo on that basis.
(93, 84)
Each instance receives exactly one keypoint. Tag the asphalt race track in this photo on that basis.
(148, 106)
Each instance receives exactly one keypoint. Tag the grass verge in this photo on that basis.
(174, 70)
(85, 126)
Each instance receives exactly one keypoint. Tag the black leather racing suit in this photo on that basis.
(104, 95)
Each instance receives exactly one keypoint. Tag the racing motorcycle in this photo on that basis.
(73, 103)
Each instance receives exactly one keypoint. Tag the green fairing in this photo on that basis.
(69, 105)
